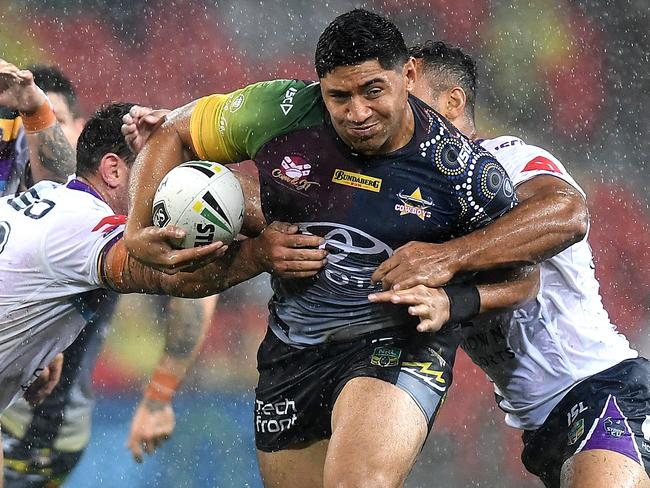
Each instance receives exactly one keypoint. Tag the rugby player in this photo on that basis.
(561, 371)
(31, 134)
(61, 247)
(43, 443)
(347, 390)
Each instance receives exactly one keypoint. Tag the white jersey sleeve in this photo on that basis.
(523, 161)
(75, 253)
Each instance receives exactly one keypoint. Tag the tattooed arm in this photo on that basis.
(51, 155)
(153, 421)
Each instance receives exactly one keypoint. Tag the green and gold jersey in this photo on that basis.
(440, 185)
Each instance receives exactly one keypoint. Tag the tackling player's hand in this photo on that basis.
(282, 251)
(139, 124)
(157, 247)
(152, 424)
(45, 383)
(18, 90)
(431, 305)
(418, 263)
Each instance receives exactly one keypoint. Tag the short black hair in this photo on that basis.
(101, 135)
(51, 79)
(358, 36)
(451, 66)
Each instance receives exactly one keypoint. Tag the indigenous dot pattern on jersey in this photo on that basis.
(464, 162)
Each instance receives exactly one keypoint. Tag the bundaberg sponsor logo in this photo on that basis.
(357, 180)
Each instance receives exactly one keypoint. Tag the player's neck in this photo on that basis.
(466, 126)
(97, 188)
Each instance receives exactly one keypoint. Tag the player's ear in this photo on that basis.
(111, 168)
(455, 102)
(409, 74)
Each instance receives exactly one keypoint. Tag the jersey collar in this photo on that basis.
(75, 184)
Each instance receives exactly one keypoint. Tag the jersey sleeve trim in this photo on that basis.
(207, 133)
(524, 177)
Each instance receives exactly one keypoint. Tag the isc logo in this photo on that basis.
(287, 102)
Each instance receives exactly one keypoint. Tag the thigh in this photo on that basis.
(599, 468)
(604, 421)
(293, 468)
(377, 432)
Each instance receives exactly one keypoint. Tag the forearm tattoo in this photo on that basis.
(184, 320)
(55, 152)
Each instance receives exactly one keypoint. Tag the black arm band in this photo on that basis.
(464, 302)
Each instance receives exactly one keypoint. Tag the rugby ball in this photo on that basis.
(202, 198)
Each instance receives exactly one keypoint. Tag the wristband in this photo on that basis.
(162, 386)
(43, 118)
(464, 302)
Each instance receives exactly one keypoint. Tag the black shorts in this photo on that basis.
(610, 410)
(28, 467)
(298, 387)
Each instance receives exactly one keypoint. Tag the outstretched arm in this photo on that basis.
(552, 216)
(50, 154)
(280, 249)
(488, 292)
(187, 322)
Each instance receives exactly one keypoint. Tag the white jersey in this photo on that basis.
(545, 348)
(52, 240)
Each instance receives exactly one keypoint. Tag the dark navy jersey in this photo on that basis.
(439, 186)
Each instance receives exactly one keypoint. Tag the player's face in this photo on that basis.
(71, 125)
(369, 106)
(122, 189)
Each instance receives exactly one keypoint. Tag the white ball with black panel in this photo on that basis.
(204, 199)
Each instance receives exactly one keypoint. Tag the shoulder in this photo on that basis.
(244, 120)
(523, 161)
(274, 99)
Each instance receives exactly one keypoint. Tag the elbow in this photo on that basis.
(573, 215)
(529, 286)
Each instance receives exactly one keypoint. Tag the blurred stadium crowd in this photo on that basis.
(571, 76)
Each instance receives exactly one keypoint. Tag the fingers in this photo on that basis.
(427, 325)
(161, 249)
(128, 125)
(419, 310)
(149, 431)
(383, 269)
(138, 111)
(298, 269)
(136, 449)
(384, 296)
(284, 227)
(411, 296)
(154, 118)
(193, 258)
(54, 374)
(301, 255)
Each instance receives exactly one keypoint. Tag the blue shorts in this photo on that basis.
(610, 410)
